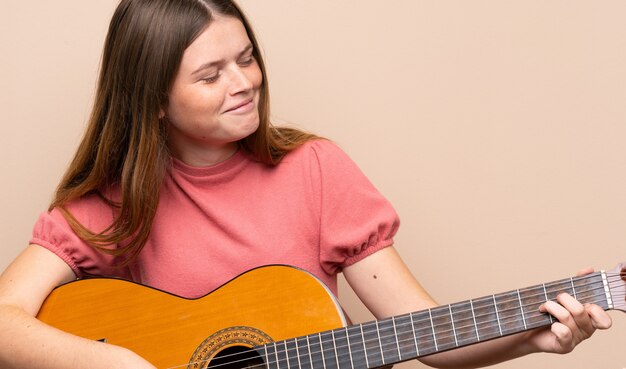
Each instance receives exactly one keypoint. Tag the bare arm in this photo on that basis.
(25, 342)
(386, 286)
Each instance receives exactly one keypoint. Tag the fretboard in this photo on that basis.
(405, 337)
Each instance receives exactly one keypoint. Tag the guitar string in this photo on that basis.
(285, 342)
(341, 356)
(300, 355)
(443, 334)
(438, 336)
(276, 352)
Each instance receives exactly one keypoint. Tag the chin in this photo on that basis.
(250, 127)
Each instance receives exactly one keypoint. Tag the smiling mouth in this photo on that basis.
(244, 107)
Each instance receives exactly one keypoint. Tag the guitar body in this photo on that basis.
(279, 317)
(263, 305)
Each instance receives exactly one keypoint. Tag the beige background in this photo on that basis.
(496, 127)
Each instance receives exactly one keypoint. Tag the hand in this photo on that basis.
(576, 322)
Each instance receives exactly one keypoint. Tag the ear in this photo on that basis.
(161, 113)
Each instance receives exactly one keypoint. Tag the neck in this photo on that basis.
(204, 156)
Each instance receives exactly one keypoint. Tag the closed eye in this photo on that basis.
(247, 61)
(210, 79)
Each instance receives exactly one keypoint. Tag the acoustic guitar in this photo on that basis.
(279, 317)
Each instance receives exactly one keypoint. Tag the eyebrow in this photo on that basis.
(217, 62)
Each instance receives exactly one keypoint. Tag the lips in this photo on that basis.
(241, 107)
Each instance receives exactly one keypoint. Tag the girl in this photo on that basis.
(181, 183)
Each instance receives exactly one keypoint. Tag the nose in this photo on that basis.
(239, 81)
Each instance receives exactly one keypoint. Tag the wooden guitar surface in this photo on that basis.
(263, 305)
(279, 317)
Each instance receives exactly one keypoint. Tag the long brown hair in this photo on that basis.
(125, 142)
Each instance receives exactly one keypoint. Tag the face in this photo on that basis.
(214, 98)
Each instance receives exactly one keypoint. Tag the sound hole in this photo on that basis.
(236, 357)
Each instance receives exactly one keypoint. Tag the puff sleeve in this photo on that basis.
(355, 219)
(53, 232)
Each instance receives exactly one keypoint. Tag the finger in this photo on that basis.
(555, 309)
(577, 317)
(581, 328)
(584, 271)
(599, 318)
(563, 335)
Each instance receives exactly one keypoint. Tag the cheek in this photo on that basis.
(192, 104)
(255, 76)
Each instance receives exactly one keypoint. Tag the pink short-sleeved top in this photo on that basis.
(315, 210)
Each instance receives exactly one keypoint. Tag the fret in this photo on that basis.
(335, 348)
(367, 363)
(268, 353)
(571, 281)
(315, 349)
(395, 335)
(464, 323)
(521, 307)
(554, 289)
(456, 340)
(388, 341)
(342, 348)
(290, 360)
(545, 293)
(349, 348)
(474, 320)
(532, 298)
(279, 356)
(486, 320)
(373, 350)
(297, 353)
(590, 289)
(405, 336)
(304, 353)
(358, 359)
(417, 349)
(380, 344)
(495, 307)
(425, 335)
(509, 312)
(432, 327)
(308, 345)
(558, 287)
(442, 325)
(328, 350)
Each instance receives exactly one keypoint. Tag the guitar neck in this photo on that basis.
(409, 336)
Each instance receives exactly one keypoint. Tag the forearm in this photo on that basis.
(387, 288)
(25, 342)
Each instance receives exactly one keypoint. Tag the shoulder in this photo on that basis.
(325, 162)
(316, 157)
(94, 211)
(319, 149)
(321, 145)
